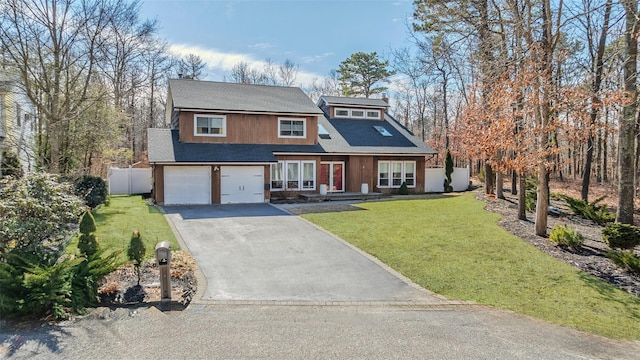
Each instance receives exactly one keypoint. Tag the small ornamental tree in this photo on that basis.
(11, 165)
(87, 243)
(136, 251)
(448, 170)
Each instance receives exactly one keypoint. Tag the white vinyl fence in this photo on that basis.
(434, 179)
(129, 181)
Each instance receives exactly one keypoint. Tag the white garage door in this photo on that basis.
(241, 184)
(187, 185)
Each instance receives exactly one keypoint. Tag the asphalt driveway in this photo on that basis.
(259, 252)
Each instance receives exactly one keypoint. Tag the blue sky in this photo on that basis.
(315, 34)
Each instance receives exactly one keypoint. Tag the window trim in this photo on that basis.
(224, 124)
(403, 175)
(350, 115)
(372, 117)
(272, 172)
(304, 128)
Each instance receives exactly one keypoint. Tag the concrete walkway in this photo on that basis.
(259, 253)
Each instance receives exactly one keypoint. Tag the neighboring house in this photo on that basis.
(238, 143)
(17, 121)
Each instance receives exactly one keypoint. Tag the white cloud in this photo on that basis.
(315, 58)
(261, 46)
(221, 63)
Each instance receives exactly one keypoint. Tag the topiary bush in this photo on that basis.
(621, 236)
(87, 243)
(626, 260)
(93, 189)
(566, 237)
(404, 189)
(448, 170)
(136, 251)
(590, 210)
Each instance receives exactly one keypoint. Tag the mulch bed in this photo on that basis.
(590, 258)
(121, 287)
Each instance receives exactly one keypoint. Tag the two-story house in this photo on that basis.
(17, 120)
(239, 143)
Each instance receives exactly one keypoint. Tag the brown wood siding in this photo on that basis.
(359, 171)
(215, 185)
(420, 166)
(248, 129)
(158, 182)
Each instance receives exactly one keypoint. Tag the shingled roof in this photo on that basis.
(190, 94)
(165, 146)
(352, 101)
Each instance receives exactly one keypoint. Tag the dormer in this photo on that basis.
(337, 107)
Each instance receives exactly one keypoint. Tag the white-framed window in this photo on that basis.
(292, 128)
(357, 113)
(209, 125)
(373, 114)
(277, 176)
(391, 174)
(293, 175)
(308, 175)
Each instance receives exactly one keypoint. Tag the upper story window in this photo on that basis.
(210, 125)
(291, 128)
(357, 113)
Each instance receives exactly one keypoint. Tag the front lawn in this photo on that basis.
(124, 214)
(452, 246)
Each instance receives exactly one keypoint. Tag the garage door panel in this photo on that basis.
(241, 184)
(187, 185)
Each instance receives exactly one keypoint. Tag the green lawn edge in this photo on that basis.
(452, 246)
(116, 222)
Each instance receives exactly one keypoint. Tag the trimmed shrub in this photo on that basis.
(448, 170)
(566, 237)
(93, 189)
(87, 243)
(87, 223)
(404, 190)
(136, 251)
(621, 236)
(626, 260)
(590, 210)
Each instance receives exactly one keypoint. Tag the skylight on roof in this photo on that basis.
(322, 130)
(384, 132)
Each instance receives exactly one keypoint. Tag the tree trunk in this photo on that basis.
(522, 197)
(488, 179)
(514, 181)
(499, 185)
(627, 133)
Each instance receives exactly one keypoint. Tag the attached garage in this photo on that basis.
(187, 185)
(241, 184)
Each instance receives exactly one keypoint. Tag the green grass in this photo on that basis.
(453, 247)
(116, 222)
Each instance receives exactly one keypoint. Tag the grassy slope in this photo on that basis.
(451, 246)
(124, 214)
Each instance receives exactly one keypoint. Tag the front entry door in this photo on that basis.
(332, 174)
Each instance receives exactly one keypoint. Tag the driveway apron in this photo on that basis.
(259, 252)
